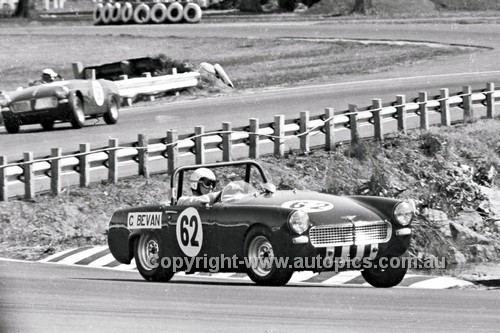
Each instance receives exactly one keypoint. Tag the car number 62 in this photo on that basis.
(309, 206)
(189, 232)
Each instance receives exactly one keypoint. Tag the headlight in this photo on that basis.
(298, 221)
(403, 213)
(4, 99)
(62, 92)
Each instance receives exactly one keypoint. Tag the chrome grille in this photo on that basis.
(356, 233)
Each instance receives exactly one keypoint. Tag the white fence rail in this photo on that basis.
(154, 155)
(147, 85)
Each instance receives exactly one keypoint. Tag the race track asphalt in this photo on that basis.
(56, 298)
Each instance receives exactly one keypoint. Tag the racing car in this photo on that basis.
(256, 226)
(67, 101)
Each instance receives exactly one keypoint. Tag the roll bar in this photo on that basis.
(179, 174)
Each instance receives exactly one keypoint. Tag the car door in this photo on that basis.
(95, 98)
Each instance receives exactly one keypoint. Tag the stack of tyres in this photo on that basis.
(125, 12)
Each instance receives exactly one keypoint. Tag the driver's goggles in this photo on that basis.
(208, 183)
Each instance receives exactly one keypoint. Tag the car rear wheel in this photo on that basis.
(147, 253)
(48, 125)
(77, 115)
(262, 256)
(111, 116)
(11, 125)
(384, 277)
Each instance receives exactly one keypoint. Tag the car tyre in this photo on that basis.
(259, 246)
(77, 115)
(111, 116)
(11, 125)
(48, 125)
(384, 277)
(148, 253)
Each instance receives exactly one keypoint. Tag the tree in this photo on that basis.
(23, 9)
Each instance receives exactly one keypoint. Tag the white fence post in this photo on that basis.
(143, 155)
(444, 106)
(377, 119)
(329, 129)
(4, 194)
(422, 107)
(226, 142)
(113, 161)
(279, 133)
(253, 139)
(84, 165)
(490, 100)
(401, 113)
(199, 145)
(29, 176)
(304, 127)
(467, 102)
(172, 150)
(353, 123)
(55, 172)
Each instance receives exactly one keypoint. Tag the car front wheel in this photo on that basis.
(111, 116)
(263, 259)
(384, 277)
(77, 115)
(147, 253)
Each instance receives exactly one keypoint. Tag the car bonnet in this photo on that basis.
(322, 208)
(39, 91)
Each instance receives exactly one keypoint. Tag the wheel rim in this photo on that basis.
(113, 110)
(148, 252)
(261, 254)
(78, 111)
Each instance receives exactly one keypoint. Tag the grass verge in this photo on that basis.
(250, 63)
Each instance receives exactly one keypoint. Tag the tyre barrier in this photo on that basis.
(125, 12)
(106, 12)
(192, 13)
(174, 12)
(158, 13)
(142, 14)
(116, 13)
(98, 10)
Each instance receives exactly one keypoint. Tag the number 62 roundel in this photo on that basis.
(189, 232)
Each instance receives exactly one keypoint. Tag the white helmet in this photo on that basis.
(204, 176)
(50, 72)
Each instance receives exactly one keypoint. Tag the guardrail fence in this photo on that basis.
(251, 140)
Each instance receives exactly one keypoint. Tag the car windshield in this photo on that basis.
(238, 191)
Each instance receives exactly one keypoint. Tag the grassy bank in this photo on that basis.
(250, 63)
(429, 167)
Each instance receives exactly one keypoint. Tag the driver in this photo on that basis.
(48, 76)
(202, 184)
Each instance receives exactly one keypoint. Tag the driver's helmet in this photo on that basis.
(204, 177)
(48, 75)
